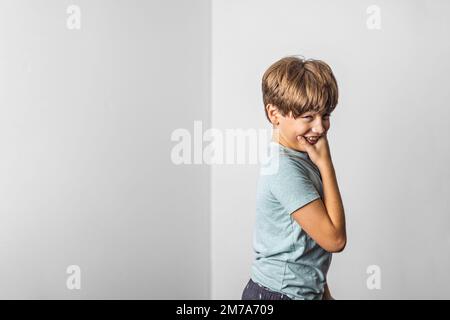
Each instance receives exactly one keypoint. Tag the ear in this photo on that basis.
(273, 113)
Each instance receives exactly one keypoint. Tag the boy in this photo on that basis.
(300, 218)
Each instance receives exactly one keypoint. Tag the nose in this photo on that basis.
(318, 129)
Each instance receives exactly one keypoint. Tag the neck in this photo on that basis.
(278, 137)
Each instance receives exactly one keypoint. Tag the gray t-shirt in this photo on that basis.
(287, 259)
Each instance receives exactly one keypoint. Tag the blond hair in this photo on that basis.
(297, 86)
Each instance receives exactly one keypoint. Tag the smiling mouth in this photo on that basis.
(312, 140)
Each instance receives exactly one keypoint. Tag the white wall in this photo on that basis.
(86, 118)
(387, 137)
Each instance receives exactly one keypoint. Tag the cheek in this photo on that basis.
(298, 131)
(302, 130)
(293, 128)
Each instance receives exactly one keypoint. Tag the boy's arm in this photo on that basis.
(332, 199)
(324, 221)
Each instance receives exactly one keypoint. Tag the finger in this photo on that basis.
(308, 147)
(302, 141)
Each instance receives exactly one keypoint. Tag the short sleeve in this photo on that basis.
(292, 186)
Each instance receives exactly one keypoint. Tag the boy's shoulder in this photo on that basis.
(284, 163)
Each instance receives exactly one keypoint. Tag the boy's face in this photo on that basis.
(309, 124)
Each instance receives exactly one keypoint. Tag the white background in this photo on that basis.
(86, 118)
(388, 136)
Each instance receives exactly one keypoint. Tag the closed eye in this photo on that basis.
(325, 116)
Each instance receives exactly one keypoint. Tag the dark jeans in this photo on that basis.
(255, 291)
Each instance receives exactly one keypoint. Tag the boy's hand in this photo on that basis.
(319, 153)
